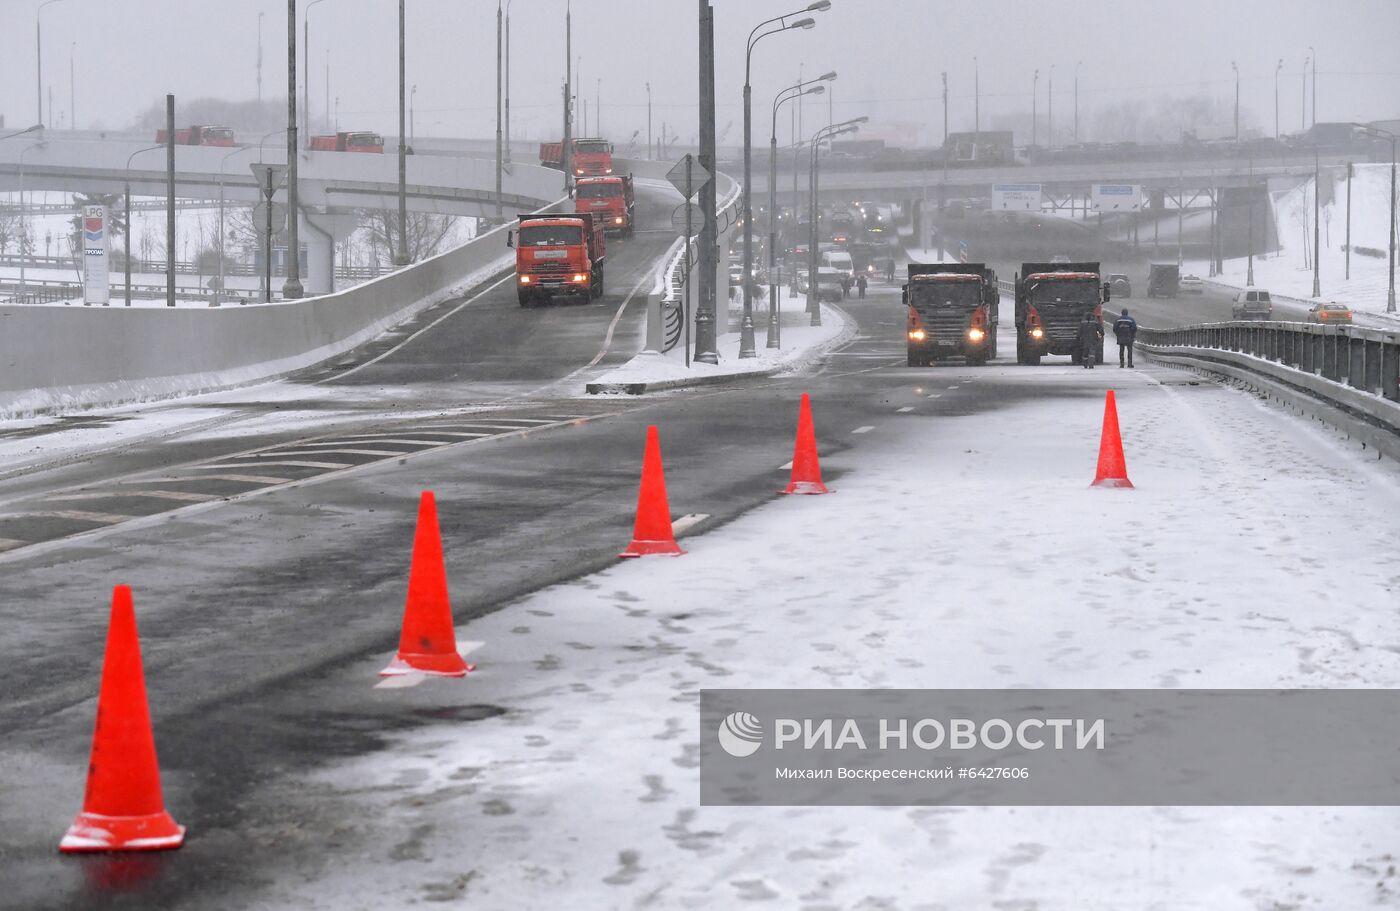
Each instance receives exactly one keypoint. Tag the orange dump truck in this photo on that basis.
(558, 255)
(610, 199)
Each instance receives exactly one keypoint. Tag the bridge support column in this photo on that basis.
(321, 231)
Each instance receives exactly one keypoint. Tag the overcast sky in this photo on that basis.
(889, 54)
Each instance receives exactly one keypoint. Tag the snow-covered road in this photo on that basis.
(962, 549)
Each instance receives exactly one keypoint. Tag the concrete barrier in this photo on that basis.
(58, 358)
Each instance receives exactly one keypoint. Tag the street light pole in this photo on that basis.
(943, 189)
(705, 311)
(1249, 196)
(1317, 212)
(39, 59)
(1077, 65)
(1278, 69)
(1050, 109)
(292, 288)
(260, 56)
(976, 106)
(500, 89)
(1235, 66)
(650, 149)
(1035, 93)
(775, 331)
(1378, 133)
(507, 80)
(814, 306)
(401, 256)
(746, 334)
(169, 200)
(306, 53)
(1304, 125)
(1312, 55)
(126, 235)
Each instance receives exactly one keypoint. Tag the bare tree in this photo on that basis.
(426, 235)
(9, 228)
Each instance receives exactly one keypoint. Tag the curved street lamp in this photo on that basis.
(825, 133)
(39, 58)
(126, 197)
(810, 87)
(746, 339)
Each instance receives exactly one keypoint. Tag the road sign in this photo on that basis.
(279, 218)
(1115, 197)
(678, 219)
(261, 172)
(688, 176)
(1016, 197)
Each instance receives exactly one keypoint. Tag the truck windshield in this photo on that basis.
(594, 146)
(1065, 292)
(957, 295)
(550, 235)
(361, 140)
(599, 190)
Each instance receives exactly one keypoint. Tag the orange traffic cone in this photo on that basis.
(428, 643)
(1113, 469)
(652, 534)
(806, 469)
(123, 809)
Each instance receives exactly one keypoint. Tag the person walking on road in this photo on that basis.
(1125, 330)
(1090, 338)
(889, 270)
(845, 285)
(860, 285)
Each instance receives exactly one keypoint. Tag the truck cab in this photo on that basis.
(953, 310)
(558, 255)
(610, 199)
(1051, 300)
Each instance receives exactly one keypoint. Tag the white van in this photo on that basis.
(839, 260)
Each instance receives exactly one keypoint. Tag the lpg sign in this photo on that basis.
(95, 264)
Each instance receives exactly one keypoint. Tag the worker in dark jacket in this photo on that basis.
(1125, 330)
(1090, 338)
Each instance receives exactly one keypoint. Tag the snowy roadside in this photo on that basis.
(802, 343)
(1210, 574)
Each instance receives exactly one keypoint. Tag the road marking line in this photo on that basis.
(400, 681)
(865, 429)
(157, 494)
(237, 478)
(448, 315)
(936, 395)
(320, 452)
(687, 522)
(374, 442)
(456, 433)
(293, 464)
(11, 543)
(905, 410)
(80, 515)
(608, 337)
(786, 466)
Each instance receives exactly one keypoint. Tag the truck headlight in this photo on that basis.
(917, 335)
(580, 277)
(618, 220)
(1037, 333)
(976, 334)
(524, 279)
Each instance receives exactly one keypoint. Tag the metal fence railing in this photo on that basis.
(676, 268)
(1366, 360)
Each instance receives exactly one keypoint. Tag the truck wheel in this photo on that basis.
(977, 360)
(525, 298)
(1033, 360)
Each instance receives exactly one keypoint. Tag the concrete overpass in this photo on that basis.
(332, 185)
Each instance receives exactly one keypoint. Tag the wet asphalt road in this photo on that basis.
(251, 607)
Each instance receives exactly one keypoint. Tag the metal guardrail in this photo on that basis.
(1367, 360)
(1348, 376)
(674, 274)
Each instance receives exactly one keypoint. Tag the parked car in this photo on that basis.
(1120, 286)
(1330, 314)
(1192, 284)
(1253, 303)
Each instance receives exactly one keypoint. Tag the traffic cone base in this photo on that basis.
(806, 467)
(94, 832)
(123, 809)
(427, 642)
(806, 487)
(436, 665)
(1112, 470)
(652, 533)
(652, 549)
